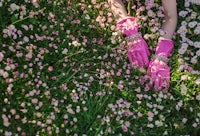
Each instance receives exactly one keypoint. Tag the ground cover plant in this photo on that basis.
(64, 71)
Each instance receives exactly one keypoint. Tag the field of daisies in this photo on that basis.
(64, 71)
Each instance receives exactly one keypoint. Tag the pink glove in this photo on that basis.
(158, 69)
(137, 49)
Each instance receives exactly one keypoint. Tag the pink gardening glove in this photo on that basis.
(158, 69)
(137, 49)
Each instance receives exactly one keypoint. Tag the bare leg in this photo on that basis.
(118, 9)
(170, 11)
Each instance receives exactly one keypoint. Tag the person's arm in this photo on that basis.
(158, 69)
(118, 9)
(170, 12)
(137, 48)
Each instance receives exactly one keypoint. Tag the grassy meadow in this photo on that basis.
(64, 71)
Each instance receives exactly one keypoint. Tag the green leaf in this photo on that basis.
(13, 19)
(33, 21)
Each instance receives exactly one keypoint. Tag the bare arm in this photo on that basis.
(170, 11)
(118, 9)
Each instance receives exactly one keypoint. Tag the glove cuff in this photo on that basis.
(161, 58)
(133, 37)
(164, 47)
(128, 26)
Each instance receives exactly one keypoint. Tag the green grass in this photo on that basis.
(86, 96)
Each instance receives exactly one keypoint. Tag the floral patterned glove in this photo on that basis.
(158, 69)
(137, 49)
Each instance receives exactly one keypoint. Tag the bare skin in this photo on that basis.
(118, 9)
(170, 11)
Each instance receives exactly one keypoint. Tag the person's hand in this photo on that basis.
(137, 49)
(158, 70)
(159, 73)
